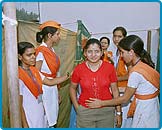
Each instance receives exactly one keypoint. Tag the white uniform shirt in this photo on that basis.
(50, 94)
(34, 111)
(147, 113)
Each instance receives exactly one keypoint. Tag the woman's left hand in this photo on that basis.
(118, 121)
(93, 103)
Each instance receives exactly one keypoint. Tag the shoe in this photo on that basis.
(54, 126)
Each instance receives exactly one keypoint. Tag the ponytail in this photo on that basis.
(146, 58)
(39, 37)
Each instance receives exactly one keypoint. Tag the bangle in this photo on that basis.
(68, 74)
(119, 113)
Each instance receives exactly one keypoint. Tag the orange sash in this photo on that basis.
(52, 60)
(107, 55)
(121, 71)
(29, 82)
(152, 76)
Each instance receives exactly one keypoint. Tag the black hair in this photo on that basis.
(122, 29)
(135, 43)
(22, 46)
(42, 35)
(108, 40)
(92, 41)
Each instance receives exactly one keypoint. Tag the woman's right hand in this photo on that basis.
(93, 103)
(76, 106)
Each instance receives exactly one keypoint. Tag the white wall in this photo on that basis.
(101, 18)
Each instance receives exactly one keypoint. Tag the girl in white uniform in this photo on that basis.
(50, 94)
(147, 111)
(48, 63)
(30, 87)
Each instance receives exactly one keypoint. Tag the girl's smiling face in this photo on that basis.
(93, 53)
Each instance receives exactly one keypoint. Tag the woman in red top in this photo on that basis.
(97, 79)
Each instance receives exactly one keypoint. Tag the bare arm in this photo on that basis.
(73, 94)
(23, 117)
(123, 78)
(120, 100)
(95, 103)
(55, 81)
(38, 64)
(115, 93)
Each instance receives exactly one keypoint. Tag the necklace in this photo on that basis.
(95, 67)
(137, 61)
(26, 69)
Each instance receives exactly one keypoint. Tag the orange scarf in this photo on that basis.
(52, 60)
(121, 71)
(149, 74)
(107, 55)
(29, 82)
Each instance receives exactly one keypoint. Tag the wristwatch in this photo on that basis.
(118, 113)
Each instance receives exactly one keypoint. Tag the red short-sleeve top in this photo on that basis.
(94, 84)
